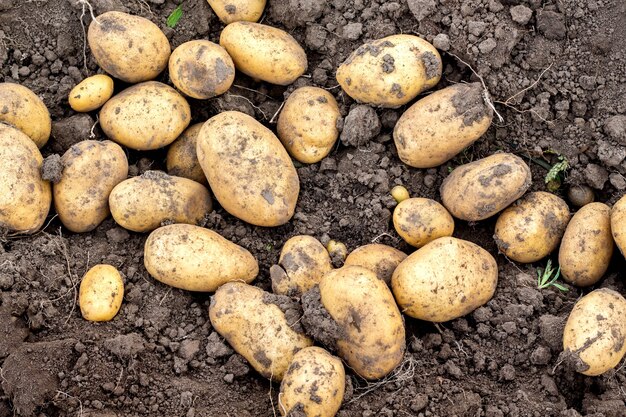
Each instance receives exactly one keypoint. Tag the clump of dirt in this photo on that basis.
(318, 322)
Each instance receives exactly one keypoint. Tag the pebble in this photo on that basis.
(487, 46)
(442, 42)
(352, 31)
(521, 14)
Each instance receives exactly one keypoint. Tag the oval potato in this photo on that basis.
(380, 259)
(229, 11)
(91, 93)
(101, 293)
(422, 220)
(182, 159)
(22, 108)
(618, 224)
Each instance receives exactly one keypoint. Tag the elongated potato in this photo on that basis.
(618, 224)
(91, 93)
(196, 259)
(182, 159)
(101, 293)
(422, 220)
(22, 108)
(380, 259)
(229, 11)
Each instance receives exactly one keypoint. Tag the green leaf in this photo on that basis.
(174, 17)
(560, 287)
(554, 175)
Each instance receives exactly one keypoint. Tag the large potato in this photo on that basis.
(128, 47)
(22, 108)
(422, 220)
(442, 124)
(196, 259)
(248, 169)
(230, 11)
(264, 52)
(587, 245)
(380, 259)
(262, 327)
(444, 280)
(618, 224)
(595, 332)
(482, 188)
(391, 71)
(143, 203)
(146, 116)
(101, 293)
(24, 196)
(182, 159)
(90, 171)
(91, 93)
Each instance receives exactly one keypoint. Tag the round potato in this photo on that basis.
(618, 224)
(248, 169)
(24, 196)
(229, 11)
(595, 332)
(439, 126)
(264, 52)
(193, 258)
(182, 159)
(314, 384)
(128, 47)
(580, 195)
(22, 108)
(482, 188)
(587, 245)
(101, 293)
(91, 93)
(444, 280)
(380, 259)
(422, 220)
(143, 203)
(262, 327)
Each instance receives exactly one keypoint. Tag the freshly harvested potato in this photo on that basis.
(587, 245)
(400, 193)
(580, 195)
(146, 116)
(24, 196)
(422, 220)
(595, 332)
(193, 258)
(313, 385)
(618, 224)
(143, 203)
(391, 71)
(444, 280)
(303, 261)
(22, 108)
(248, 169)
(260, 326)
(380, 259)
(264, 52)
(128, 47)
(531, 228)
(439, 126)
(482, 188)
(91, 93)
(90, 171)
(182, 159)
(101, 293)
(229, 11)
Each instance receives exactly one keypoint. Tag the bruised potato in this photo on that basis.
(380, 259)
(618, 224)
(182, 159)
(229, 11)
(22, 108)
(101, 293)
(91, 93)
(422, 220)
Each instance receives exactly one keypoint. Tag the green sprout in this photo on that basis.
(547, 277)
(556, 174)
(174, 17)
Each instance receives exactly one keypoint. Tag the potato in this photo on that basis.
(128, 47)
(91, 93)
(314, 384)
(90, 171)
(439, 126)
(587, 245)
(618, 224)
(143, 203)
(264, 52)
(482, 188)
(444, 280)
(248, 169)
(24, 196)
(230, 11)
(380, 259)
(580, 195)
(101, 293)
(400, 193)
(422, 220)
(307, 125)
(595, 332)
(182, 159)
(303, 261)
(193, 258)
(262, 327)
(22, 108)
(391, 71)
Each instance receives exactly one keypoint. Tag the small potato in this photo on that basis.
(303, 261)
(400, 193)
(580, 195)
(264, 52)
(618, 224)
(91, 93)
(193, 258)
(439, 126)
(262, 327)
(307, 125)
(587, 245)
(380, 259)
(422, 220)
(229, 11)
(128, 47)
(444, 280)
(101, 293)
(22, 108)
(182, 159)
(314, 384)
(146, 116)
(143, 203)
(595, 332)
(482, 188)
(91, 169)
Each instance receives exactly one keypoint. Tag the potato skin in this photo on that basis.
(193, 258)
(264, 52)
(380, 259)
(618, 224)
(229, 11)
(422, 220)
(439, 126)
(24, 196)
(182, 159)
(248, 169)
(91, 93)
(101, 293)
(480, 189)
(587, 245)
(595, 332)
(22, 108)
(444, 280)
(128, 47)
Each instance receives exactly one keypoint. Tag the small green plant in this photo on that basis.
(548, 276)
(556, 174)
(174, 17)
